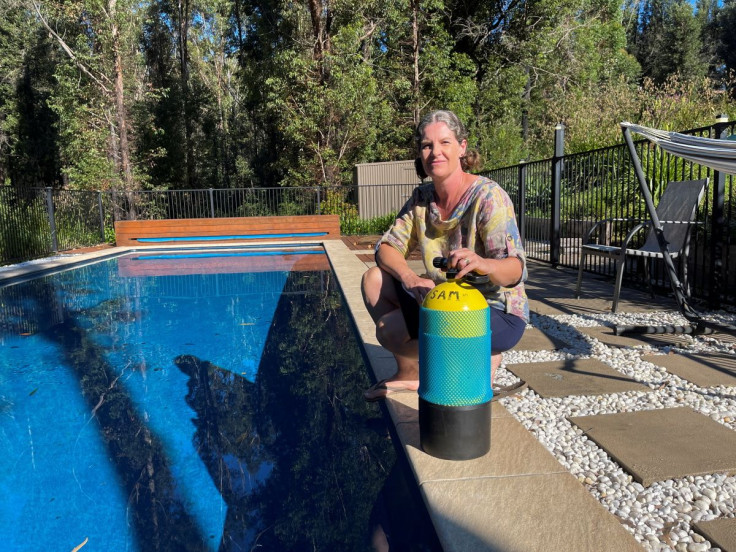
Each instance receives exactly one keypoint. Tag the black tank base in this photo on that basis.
(455, 432)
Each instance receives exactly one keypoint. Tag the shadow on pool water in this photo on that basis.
(298, 458)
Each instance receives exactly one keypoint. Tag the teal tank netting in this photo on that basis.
(455, 357)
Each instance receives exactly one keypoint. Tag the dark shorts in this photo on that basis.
(506, 329)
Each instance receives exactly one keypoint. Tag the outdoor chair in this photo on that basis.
(676, 212)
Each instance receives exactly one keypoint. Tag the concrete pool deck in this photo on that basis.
(519, 497)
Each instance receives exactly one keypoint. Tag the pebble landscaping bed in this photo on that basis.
(659, 516)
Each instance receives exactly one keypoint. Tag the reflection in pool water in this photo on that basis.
(211, 411)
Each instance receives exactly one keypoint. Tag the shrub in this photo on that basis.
(353, 225)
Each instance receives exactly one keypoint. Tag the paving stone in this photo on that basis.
(655, 445)
(526, 513)
(536, 340)
(605, 335)
(551, 291)
(704, 370)
(552, 306)
(561, 378)
(720, 532)
(514, 452)
(723, 338)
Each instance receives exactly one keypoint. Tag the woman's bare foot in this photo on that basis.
(386, 387)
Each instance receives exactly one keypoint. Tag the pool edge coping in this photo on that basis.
(468, 518)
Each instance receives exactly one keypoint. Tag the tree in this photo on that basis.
(89, 60)
(726, 50)
(538, 60)
(232, 93)
(27, 59)
(669, 41)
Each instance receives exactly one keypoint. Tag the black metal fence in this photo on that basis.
(556, 200)
(35, 222)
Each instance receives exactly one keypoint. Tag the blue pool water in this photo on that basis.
(185, 403)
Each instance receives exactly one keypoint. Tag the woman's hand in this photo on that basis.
(502, 272)
(464, 260)
(417, 286)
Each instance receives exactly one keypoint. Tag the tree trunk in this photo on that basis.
(415, 60)
(119, 101)
(321, 15)
(223, 131)
(183, 12)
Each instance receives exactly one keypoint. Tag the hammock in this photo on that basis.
(716, 154)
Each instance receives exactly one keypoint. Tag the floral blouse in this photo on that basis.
(483, 221)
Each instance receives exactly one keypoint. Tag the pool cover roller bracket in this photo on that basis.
(455, 370)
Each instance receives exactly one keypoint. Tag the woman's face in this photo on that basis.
(440, 151)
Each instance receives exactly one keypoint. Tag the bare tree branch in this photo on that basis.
(64, 46)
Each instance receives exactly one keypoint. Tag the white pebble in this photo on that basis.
(674, 504)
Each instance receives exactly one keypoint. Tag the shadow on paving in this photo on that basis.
(552, 291)
(572, 339)
(704, 370)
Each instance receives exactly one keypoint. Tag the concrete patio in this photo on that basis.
(520, 497)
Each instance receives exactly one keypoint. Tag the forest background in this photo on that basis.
(182, 94)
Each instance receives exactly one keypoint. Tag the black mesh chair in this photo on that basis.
(676, 211)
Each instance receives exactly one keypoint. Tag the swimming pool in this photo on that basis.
(205, 401)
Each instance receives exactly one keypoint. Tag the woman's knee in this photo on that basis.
(371, 284)
(378, 291)
(506, 330)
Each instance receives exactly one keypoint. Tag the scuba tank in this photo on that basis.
(455, 368)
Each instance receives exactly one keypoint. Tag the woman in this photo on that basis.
(467, 219)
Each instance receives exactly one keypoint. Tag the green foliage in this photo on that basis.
(725, 23)
(352, 225)
(24, 227)
(669, 41)
(110, 234)
(681, 104)
(323, 110)
(255, 209)
(28, 140)
(82, 135)
(290, 208)
(336, 203)
(235, 93)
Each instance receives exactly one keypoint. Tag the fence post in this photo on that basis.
(717, 223)
(521, 214)
(114, 198)
(319, 200)
(102, 215)
(52, 220)
(557, 161)
(212, 203)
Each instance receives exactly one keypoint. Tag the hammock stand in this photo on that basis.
(716, 154)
